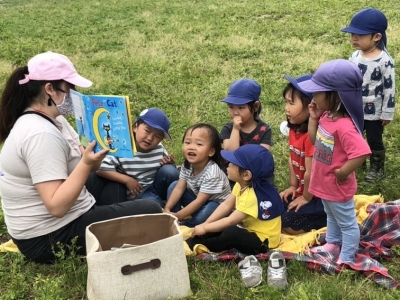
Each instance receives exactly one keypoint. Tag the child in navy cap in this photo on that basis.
(246, 127)
(149, 173)
(368, 37)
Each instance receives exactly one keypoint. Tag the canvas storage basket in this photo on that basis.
(155, 268)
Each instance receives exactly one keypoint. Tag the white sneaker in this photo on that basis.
(277, 275)
(251, 271)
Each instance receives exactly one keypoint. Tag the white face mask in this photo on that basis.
(66, 108)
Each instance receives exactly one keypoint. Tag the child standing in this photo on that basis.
(335, 127)
(368, 37)
(149, 173)
(202, 185)
(249, 220)
(303, 212)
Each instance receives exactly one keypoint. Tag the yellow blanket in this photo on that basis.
(296, 243)
(289, 243)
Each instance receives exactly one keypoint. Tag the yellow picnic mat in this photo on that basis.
(295, 243)
(289, 243)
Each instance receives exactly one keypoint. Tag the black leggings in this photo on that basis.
(42, 249)
(231, 237)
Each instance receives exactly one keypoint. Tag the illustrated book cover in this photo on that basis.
(105, 119)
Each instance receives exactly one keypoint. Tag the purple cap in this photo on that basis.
(367, 21)
(243, 91)
(344, 77)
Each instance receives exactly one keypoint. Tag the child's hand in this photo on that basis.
(133, 186)
(297, 203)
(385, 122)
(168, 160)
(199, 230)
(290, 191)
(313, 110)
(237, 122)
(90, 158)
(340, 177)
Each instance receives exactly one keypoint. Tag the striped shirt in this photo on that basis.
(212, 180)
(143, 166)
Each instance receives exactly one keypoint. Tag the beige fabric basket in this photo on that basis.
(155, 268)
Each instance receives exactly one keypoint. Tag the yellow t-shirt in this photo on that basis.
(247, 203)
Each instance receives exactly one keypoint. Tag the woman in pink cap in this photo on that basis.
(43, 167)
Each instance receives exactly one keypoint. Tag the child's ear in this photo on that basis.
(134, 127)
(247, 175)
(211, 153)
(377, 37)
(256, 105)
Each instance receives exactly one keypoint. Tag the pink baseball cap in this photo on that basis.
(54, 66)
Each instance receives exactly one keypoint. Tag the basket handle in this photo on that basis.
(152, 264)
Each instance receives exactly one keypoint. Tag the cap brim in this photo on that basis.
(294, 82)
(237, 100)
(311, 87)
(155, 126)
(80, 81)
(351, 29)
(230, 157)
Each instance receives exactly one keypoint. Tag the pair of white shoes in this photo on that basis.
(251, 271)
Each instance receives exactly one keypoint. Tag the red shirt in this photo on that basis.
(300, 147)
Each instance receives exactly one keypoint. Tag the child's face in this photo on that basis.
(242, 111)
(321, 101)
(197, 147)
(295, 112)
(364, 42)
(146, 137)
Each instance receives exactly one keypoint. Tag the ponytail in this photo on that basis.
(15, 99)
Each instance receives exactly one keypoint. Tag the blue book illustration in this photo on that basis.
(107, 120)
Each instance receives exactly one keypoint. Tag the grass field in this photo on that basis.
(181, 56)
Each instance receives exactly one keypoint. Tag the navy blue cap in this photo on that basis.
(243, 91)
(259, 161)
(295, 82)
(367, 21)
(157, 119)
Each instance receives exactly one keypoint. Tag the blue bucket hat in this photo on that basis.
(157, 119)
(258, 160)
(243, 91)
(295, 82)
(344, 77)
(367, 21)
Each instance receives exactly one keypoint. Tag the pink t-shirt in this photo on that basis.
(300, 148)
(336, 142)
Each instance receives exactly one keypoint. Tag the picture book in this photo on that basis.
(105, 119)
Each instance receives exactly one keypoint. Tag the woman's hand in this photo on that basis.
(90, 158)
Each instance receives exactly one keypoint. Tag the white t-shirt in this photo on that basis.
(37, 151)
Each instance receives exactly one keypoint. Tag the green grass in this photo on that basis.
(181, 56)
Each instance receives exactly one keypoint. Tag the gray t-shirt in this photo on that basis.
(37, 151)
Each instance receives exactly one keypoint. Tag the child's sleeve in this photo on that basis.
(226, 131)
(388, 95)
(109, 163)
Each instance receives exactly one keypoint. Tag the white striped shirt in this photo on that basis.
(212, 180)
(143, 166)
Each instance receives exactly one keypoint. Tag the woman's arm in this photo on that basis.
(60, 195)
